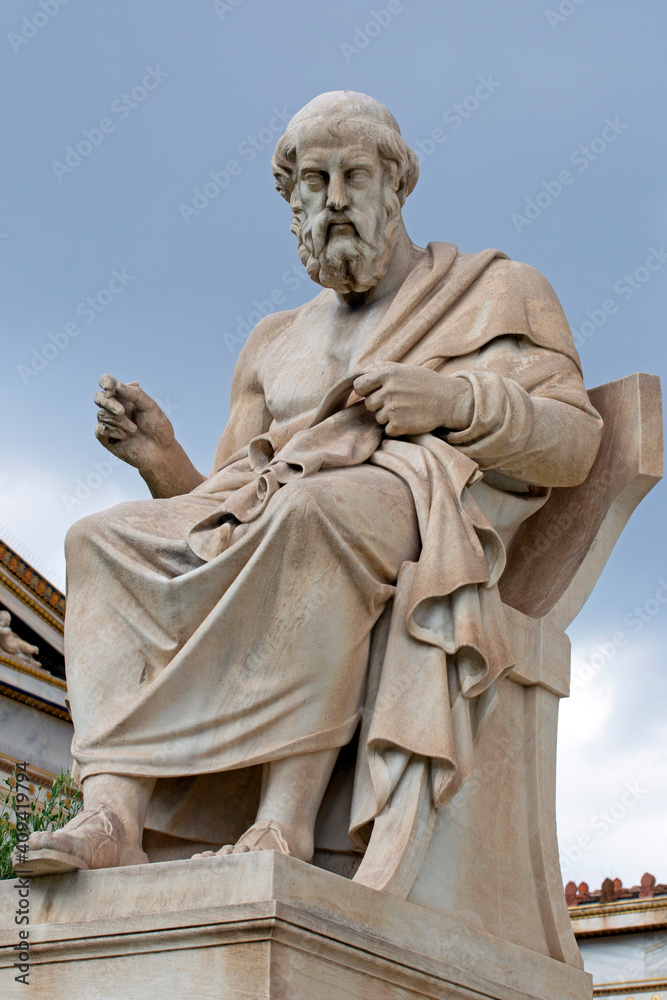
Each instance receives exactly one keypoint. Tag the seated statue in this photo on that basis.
(385, 442)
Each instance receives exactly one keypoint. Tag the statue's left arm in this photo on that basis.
(517, 403)
(531, 416)
(512, 406)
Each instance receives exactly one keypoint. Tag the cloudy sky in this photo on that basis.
(140, 232)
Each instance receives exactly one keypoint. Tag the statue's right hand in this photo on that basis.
(131, 425)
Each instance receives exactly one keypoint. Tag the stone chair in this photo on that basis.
(490, 858)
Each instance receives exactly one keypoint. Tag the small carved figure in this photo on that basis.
(13, 645)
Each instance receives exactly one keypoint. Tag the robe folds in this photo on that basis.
(444, 505)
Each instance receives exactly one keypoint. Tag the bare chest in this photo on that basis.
(313, 353)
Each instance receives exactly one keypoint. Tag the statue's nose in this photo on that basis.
(337, 193)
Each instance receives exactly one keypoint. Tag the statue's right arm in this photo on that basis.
(249, 415)
(132, 427)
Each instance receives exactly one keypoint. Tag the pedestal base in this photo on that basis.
(257, 926)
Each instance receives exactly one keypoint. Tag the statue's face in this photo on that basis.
(345, 213)
(5, 618)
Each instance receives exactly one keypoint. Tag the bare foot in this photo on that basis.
(261, 836)
(96, 838)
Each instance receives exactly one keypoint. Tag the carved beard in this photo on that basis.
(348, 262)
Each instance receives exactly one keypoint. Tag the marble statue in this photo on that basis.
(386, 442)
(13, 645)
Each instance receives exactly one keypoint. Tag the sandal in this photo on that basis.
(102, 843)
(252, 841)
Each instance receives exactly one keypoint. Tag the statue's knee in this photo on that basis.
(80, 534)
(83, 533)
(300, 500)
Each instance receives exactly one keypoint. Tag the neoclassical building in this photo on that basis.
(622, 935)
(35, 724)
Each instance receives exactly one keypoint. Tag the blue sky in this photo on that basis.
(105, 267)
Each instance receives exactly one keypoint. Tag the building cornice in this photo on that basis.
(34, 701)
(20, 577)
(626, 916)
(41, 675)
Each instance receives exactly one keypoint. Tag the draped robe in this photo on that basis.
(444, 640)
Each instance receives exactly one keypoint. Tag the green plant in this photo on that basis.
(43, 812)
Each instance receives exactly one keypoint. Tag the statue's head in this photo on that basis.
(346, 170)
(5, 618)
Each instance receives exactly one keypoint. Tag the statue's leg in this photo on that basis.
(342, 536)
(181, 667)
(292, 792)
(105, 834)
(108, 831)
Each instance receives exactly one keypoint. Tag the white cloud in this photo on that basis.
(35, 513)
(612, 768)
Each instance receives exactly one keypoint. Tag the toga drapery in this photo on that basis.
(232, 626)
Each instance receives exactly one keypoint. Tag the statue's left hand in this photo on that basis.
(410, 399)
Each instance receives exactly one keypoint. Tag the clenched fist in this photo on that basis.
(409, 399)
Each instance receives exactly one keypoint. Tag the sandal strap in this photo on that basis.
(93, 841)
(253, 836)
(107, 815)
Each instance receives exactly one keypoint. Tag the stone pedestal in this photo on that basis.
(258, 926)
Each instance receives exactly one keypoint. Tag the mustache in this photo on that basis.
(321, 225)
(358, 259)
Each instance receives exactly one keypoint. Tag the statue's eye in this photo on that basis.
(358, 177)
(314, 180)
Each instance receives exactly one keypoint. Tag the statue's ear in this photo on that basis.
(402, 190)
(409, 178)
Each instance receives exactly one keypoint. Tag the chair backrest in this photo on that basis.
(556, 557)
